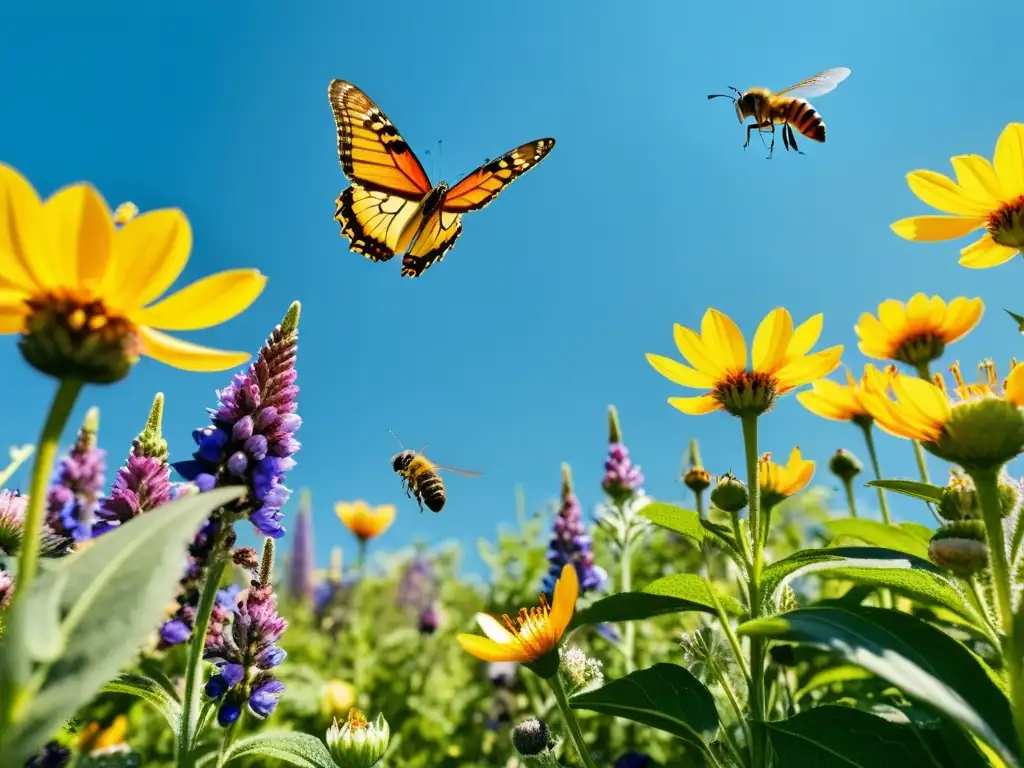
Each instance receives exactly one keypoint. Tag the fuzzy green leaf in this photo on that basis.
(911, 488)
(879, 534)
(109, 598)
(299, 749)
(665, 696)
(151, 692)
(927, 664)
(842, 673)
(685, 522)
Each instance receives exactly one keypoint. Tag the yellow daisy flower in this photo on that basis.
(364, 521)
(534, 634)
(839, 402)
(981, 426)
(780, 482)
(81, 289)
(920, 331)
(985, 195)
(718, 355)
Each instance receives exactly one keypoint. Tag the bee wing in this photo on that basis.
(819, 85)
(463, 472)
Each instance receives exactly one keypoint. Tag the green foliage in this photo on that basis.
(298, 749)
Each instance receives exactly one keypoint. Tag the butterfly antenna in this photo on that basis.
(437, 171)
(397, 440)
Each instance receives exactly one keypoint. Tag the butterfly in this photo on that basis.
(391, 206)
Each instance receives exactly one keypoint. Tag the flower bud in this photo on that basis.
(845, 465)
(358, 743)
(531, 737)
(429, 621)
(730, 493)
(960, 498)
(961, 547)
(697, 479)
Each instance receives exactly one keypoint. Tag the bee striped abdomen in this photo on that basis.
(806, 120)
(432, 490)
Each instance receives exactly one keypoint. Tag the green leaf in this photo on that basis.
(843, 673)
(109, 597)
(672, 594)
(682, 521)
(843, 736)
(665, 696)
(1018, 319)
(150, 691)
(299, 749)
(810, 560)
(927, 664)
(879, 534)
(912, 488)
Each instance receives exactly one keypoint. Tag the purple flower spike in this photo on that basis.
(570, 543)
(300, 570)
(75, 494)
(622, 478)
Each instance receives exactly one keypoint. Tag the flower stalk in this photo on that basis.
(757, 644)
(869, 440)
(575, 734)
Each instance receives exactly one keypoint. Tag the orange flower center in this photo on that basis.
(746, 392)
(530, 628)
(356, 719)
(1006, 224)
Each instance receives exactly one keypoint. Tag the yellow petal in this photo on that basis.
(1014, 390)
(23, 244)
(921, 400)
(207, 302)
(944, 194)
(1009, 159)
(563, 601)
(771, 341)
(487, 650)
(804, 370)
(976, 175)
(149, 253)
(13, 311)
(830, 402)
(693, 348)
(186, 356)
(723, 339)
(695, 406)
(679, 373)
(893, 317)
(81, 231)
(986, 253)
(493, 629)
(930, 229)
(805, 336)
(962, 316)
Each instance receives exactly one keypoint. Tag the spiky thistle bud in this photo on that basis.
(532, 737)
(730, 493)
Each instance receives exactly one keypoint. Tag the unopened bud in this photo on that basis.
(358, 743)
(960, 497)
(961, 547)
(845, 465)
(697, 479)
(730, 493)
(531, 737)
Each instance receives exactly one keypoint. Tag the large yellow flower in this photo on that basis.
(718, 355)
(832, 400)
(779, 482)
(364, 521)
(69, 272)
(534, 634)
(919, 332)
(985, 195)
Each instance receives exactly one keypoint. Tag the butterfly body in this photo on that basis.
(392, 207)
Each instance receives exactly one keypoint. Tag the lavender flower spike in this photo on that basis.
(570, 543)
(144, 482)
(75, 493)
(252, 438)
(301, 565)
(622, 478)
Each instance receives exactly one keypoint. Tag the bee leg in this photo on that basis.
(792, 139)
(771, 149)
(785, 138)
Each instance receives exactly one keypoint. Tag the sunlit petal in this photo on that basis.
(13, 311)
(679, 373)
(976, 175)
(486, 649)
(718, 330)
(692, 347)
(150, 251)
(24, 262)
(944, 194)
(962, 316)
(695, 406)
(81, 230)
(930, 229)
(1009, 159)
(1014, 390)
(986, 253)
(188, 357)
(771, 341)
(563, 601)
(806, 369)
(494, 629)
(207, 302)
(806, 336)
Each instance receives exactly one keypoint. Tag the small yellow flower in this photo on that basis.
(96, 739)
(919, 332)
(336, 698)
(839, 402)
(81, 290)
(985, 195)
(980, 428)
(778, 482)
(364, 521)
(718, 355)
(535, 633)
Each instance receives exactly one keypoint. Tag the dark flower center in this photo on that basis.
(1006, 224)
(746, 393)
(920, 349)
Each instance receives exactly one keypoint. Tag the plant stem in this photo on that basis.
(987, 484)
(730, 635)
(626, 586)
(922, 465)
(194, 669)
(869, 438)
(46, 452)
(848, 485)
(570, 721)
(735, 704)
(701, 512)
(229, 737)
(757, 644)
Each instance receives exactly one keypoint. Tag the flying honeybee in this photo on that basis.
(421, 477)
(788, 107)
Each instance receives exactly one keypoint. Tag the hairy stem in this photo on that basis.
(757, 644)
(575, 734)
(869, 438)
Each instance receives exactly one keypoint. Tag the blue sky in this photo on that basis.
(505, 356)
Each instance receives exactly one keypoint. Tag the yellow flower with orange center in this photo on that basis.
(780, 362)
(980, 427)
(985, 195)
(97, 739)
(535, 633)
(779, 482)
(842, 402)
(364, 521)
(82, 289)
(918, 332)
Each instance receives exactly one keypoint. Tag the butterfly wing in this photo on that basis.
(371, 151)
(374, 222)
(482, 185)
(437, 234)
(819, 85)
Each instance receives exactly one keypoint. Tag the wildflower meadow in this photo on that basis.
(178, 600)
